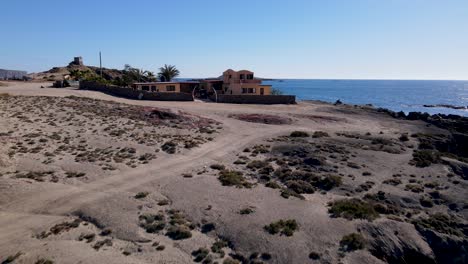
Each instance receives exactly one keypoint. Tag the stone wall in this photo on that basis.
(255, 99)
(135, 94)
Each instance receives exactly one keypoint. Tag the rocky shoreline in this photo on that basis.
(446, 106)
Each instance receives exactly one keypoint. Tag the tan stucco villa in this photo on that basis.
(243, 82)
(231, 82)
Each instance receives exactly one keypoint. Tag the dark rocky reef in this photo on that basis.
(455, 143)
(447, 106)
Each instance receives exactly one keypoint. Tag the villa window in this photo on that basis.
(251, 90)
(230, 76)
(170, 88)
(244, 90)
(153, 88)
(242, 76)
(250, 76)
(145, 88)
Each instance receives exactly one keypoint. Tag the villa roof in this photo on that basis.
(231, 70)
(212, 80)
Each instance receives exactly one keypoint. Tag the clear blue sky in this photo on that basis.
(369, 39)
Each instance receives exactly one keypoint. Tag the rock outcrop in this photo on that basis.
(396, 242)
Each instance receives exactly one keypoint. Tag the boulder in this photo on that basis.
(458, 167)
(396, 242)
(448, 249)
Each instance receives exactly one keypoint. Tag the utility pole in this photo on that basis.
(100, 63)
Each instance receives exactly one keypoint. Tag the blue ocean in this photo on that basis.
(396, 95)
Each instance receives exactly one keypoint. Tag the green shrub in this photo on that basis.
(319, 134)
(352, 242)
(200, 254)
(65, 226)
(353, 165)
(163, 202)
(169, 147)
(106, 232)
(300, 186)
(71, 174)
(416, 188)
(160, 248)
(284, 227)
(218, 246)
(286, 193)
(152, 223)
(328, 182)
(88, 237)
(208, 227)
(404, 138)
(233, 178)
(230, 261)
(100, 244)
(441, 223)
(314, 255)
(265, 256)
(179, 232)
(247, 210)
(392, 181)
(273, 185)
(154, 227)
(352, 209)
(426, 202)
(299, 134)
(44, 261)
(141, 195)
(257, 164)
(217, 167)
(424, 158)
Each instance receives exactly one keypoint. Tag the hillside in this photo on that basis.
(60, 73)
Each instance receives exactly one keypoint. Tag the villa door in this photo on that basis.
(262, 91)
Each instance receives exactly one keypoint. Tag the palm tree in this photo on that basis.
(167, 73)
(150, 76)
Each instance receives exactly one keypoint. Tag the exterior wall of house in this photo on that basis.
(243, 83)
(159, 87)
(187, 87)
(135, 94)
(266, 90)
(231, 76)
(210, 85)
(247, 88)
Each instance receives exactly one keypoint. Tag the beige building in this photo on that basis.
(232, 82)
(243, 82)
(166, 87)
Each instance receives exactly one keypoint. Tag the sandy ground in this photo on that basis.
(105, 199)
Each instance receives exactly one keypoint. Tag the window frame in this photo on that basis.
(170, 88)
